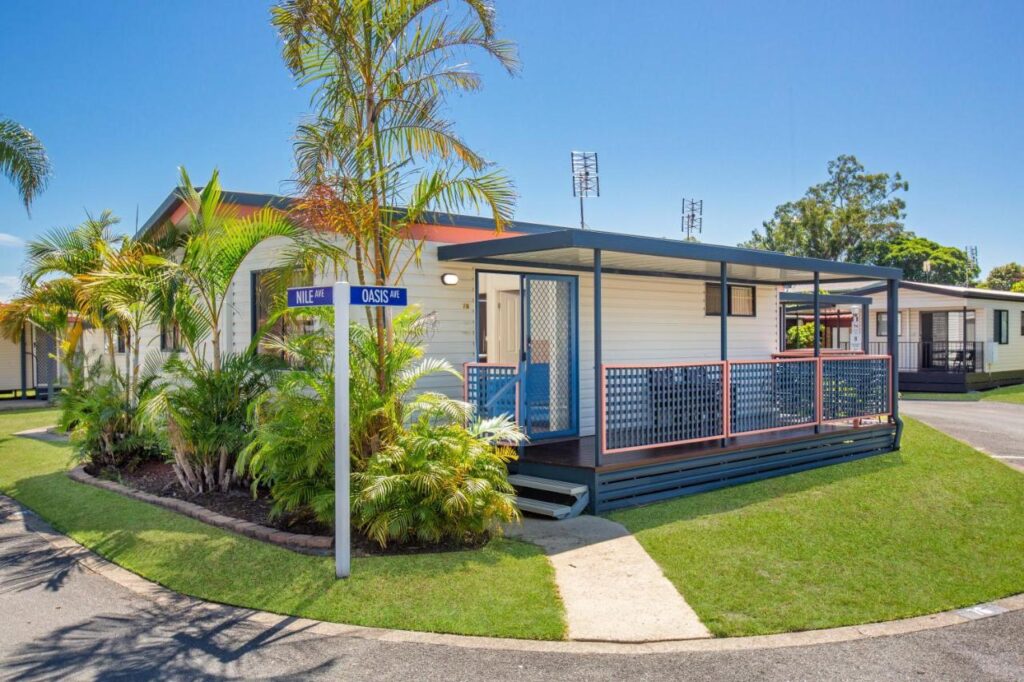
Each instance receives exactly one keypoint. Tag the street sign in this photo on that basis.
(380, 296)
(305, 297)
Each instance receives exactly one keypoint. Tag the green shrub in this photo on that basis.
(103, 420)
(419, 473)
(205, 413)
(800, 336)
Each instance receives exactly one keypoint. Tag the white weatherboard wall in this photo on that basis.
(646, 319)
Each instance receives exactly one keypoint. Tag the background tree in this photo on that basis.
(834, 220)
(23, 160)
(1005, 277)
(378, 152)
(949, 265)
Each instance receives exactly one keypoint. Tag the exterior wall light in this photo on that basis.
(449, 279)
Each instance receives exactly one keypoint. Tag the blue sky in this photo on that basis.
(741, 104)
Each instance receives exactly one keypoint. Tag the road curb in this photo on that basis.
(164, 596)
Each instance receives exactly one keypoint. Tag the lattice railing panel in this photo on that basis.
(855, 387)
(492, 389)
(662, 405)
(772, 395)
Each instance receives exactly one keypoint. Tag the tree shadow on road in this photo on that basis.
(167, 642)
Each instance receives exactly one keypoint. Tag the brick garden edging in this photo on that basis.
(306, 544)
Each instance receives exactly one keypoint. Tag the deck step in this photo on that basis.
(548, 484)
(555, 511)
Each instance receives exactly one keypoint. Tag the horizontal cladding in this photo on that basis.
(632, 487)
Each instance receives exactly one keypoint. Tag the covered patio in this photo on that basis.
(665, 427)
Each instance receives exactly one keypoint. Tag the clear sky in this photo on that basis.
(741, 104)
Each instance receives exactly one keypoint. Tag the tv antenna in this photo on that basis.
(585, 183)
(972, 263)
(692, 218)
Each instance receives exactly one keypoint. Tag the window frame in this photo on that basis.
(1001, 327)
(708, 286)
(174, 332)
(122, 340)
(882, 328)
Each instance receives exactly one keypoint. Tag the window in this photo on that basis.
(742, 300)
(170, 337)
(1002, 330)
(263, 306)
(123, 340)
(1022, 323)
(882, 323)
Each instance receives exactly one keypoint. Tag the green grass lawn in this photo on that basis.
(933, 527)
(506, 589)
(1007, 394)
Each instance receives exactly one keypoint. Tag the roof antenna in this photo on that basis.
(693, 218)
(136, 218)
(585, 182)
(972, 264)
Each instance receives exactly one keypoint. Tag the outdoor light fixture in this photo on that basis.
(449, 279)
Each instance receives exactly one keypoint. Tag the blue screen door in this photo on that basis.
(549, 356)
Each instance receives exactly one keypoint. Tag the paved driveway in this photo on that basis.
(992, 427)
(62, 621)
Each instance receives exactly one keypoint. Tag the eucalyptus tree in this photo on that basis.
(378, 152)
(23, 160)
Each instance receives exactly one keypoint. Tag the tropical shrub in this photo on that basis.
(419, 472)
(441, 481)
(800, 336)
(204, 410)
(100, 412)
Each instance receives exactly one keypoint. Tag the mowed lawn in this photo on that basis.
(935, 526)
(506, 589)
(1007, 394)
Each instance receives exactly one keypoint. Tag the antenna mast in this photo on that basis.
(972, 263)
(585, 182)
(692, 218)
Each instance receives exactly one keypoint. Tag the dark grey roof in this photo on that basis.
(946, 290)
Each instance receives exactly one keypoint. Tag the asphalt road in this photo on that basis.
(994, 428)
(63, 621)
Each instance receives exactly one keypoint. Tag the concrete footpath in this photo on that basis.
(613, 591)
(995, 428)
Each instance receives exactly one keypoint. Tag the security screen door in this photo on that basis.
(549, 356)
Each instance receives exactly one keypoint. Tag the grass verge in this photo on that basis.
(1006, 394)
(505, 589)
(970, 397)
(935, 526)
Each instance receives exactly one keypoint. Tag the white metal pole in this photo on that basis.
(342, 523)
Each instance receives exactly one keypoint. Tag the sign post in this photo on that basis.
(341, 296)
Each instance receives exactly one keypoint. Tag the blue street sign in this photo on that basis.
(387, 296)
(305, 297)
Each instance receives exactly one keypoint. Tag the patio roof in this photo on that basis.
(947, 290)
(807, 298)
(651, 256)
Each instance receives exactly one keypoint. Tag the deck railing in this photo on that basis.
(492, 389)
(665, 404)
(938, 356)
(651, 406)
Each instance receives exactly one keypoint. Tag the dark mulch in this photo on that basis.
(158, 478)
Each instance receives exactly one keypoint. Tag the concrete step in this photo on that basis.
(548, 484)
(541, 508)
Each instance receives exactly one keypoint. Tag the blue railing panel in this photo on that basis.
(772, 395)
(854, 387)
(662, 405)
(491, 389)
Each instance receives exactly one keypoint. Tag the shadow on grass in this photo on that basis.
(737, 497)
(166, 642)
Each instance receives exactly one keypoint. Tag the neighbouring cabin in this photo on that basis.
(29, 366)
(640, 368)
(952, 339)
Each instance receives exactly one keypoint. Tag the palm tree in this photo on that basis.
(23, 160)
(378, 152)
(53, 295)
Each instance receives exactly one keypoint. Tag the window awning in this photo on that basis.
(573, 250)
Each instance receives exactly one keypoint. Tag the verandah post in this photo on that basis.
(817, 348)
(893, 335)
(723, 284)
(598, 369)
(865, 327)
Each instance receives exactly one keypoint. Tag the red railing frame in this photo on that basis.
(780, 361)
(821, 393)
